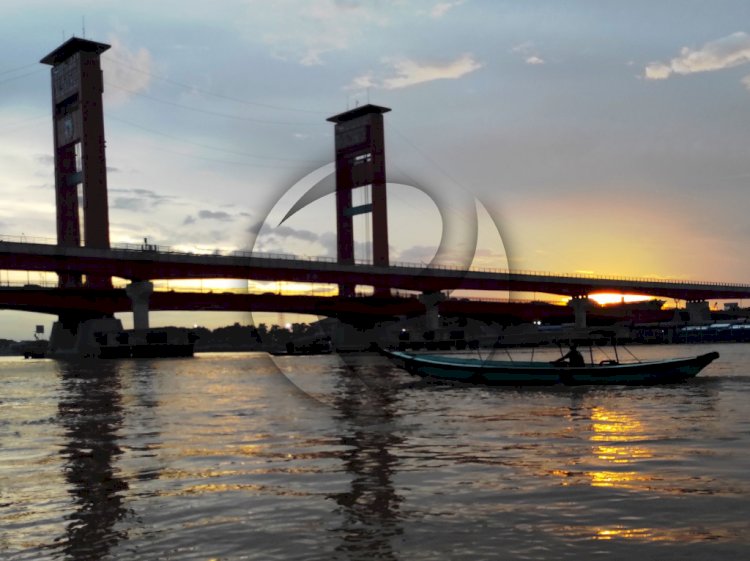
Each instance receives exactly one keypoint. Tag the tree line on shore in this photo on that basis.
(236, 337)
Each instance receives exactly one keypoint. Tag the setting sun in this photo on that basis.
(611, 298)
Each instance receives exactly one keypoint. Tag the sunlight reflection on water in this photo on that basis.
(222, 457)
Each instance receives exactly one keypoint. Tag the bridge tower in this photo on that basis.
(78, 133)
(360, 164)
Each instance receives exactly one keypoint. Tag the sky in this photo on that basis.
(592, 136)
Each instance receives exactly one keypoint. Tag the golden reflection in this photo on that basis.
(613, 437)
(665, 535)
(628, 533)
(260, 450)
(181, 474)
(621, 479)
(621, 454)
(616, 440)
(610, 425)
(248, 450)
(606, 478)
(210, 488)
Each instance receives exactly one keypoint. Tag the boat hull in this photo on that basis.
(544, 374)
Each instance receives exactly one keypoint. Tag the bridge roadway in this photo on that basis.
(363, 310)
(31, 298)
(152, 263)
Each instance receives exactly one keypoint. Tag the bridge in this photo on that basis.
(138, 263)
(85, 261)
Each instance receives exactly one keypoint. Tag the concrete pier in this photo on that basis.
(139, 293)
(580, 305)
(432, 315)
(698, 311)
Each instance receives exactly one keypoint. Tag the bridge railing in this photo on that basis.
(251, 291)
(30, 285)
(28, 239)
(406, 267)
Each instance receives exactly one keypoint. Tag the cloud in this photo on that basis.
(322, 45)
(405, 72)
(283, 232)
(41, 186)
(657, 71)
(156, 198)
(329, 242)
(529, 53)
(363, 82)
(137, 200)
(417, 254)
(215, 215)
(287, 232)
(293, 241)
(129, 203)
(219, 215)
(410, 73)
(442, 8)
(45, 159)
(126, 72)
(746, 82)
(727, 52)
(306, 32)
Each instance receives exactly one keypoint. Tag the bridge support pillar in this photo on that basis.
(698, 311)
(139, 293)
(580, 305)
(432, 316)
(79, 150)
(360, 165)
(75, 334)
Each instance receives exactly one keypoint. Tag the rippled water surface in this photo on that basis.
(225, 457)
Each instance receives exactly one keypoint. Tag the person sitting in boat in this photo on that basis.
(572, 358)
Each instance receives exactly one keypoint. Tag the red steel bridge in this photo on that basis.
(85, 261)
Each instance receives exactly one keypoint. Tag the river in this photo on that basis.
(246, 456)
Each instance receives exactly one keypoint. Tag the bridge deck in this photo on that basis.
(151, 263)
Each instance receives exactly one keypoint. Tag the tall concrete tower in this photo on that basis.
(360, 162)
(78, 132)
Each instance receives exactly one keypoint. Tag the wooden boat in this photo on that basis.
(518, 373)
